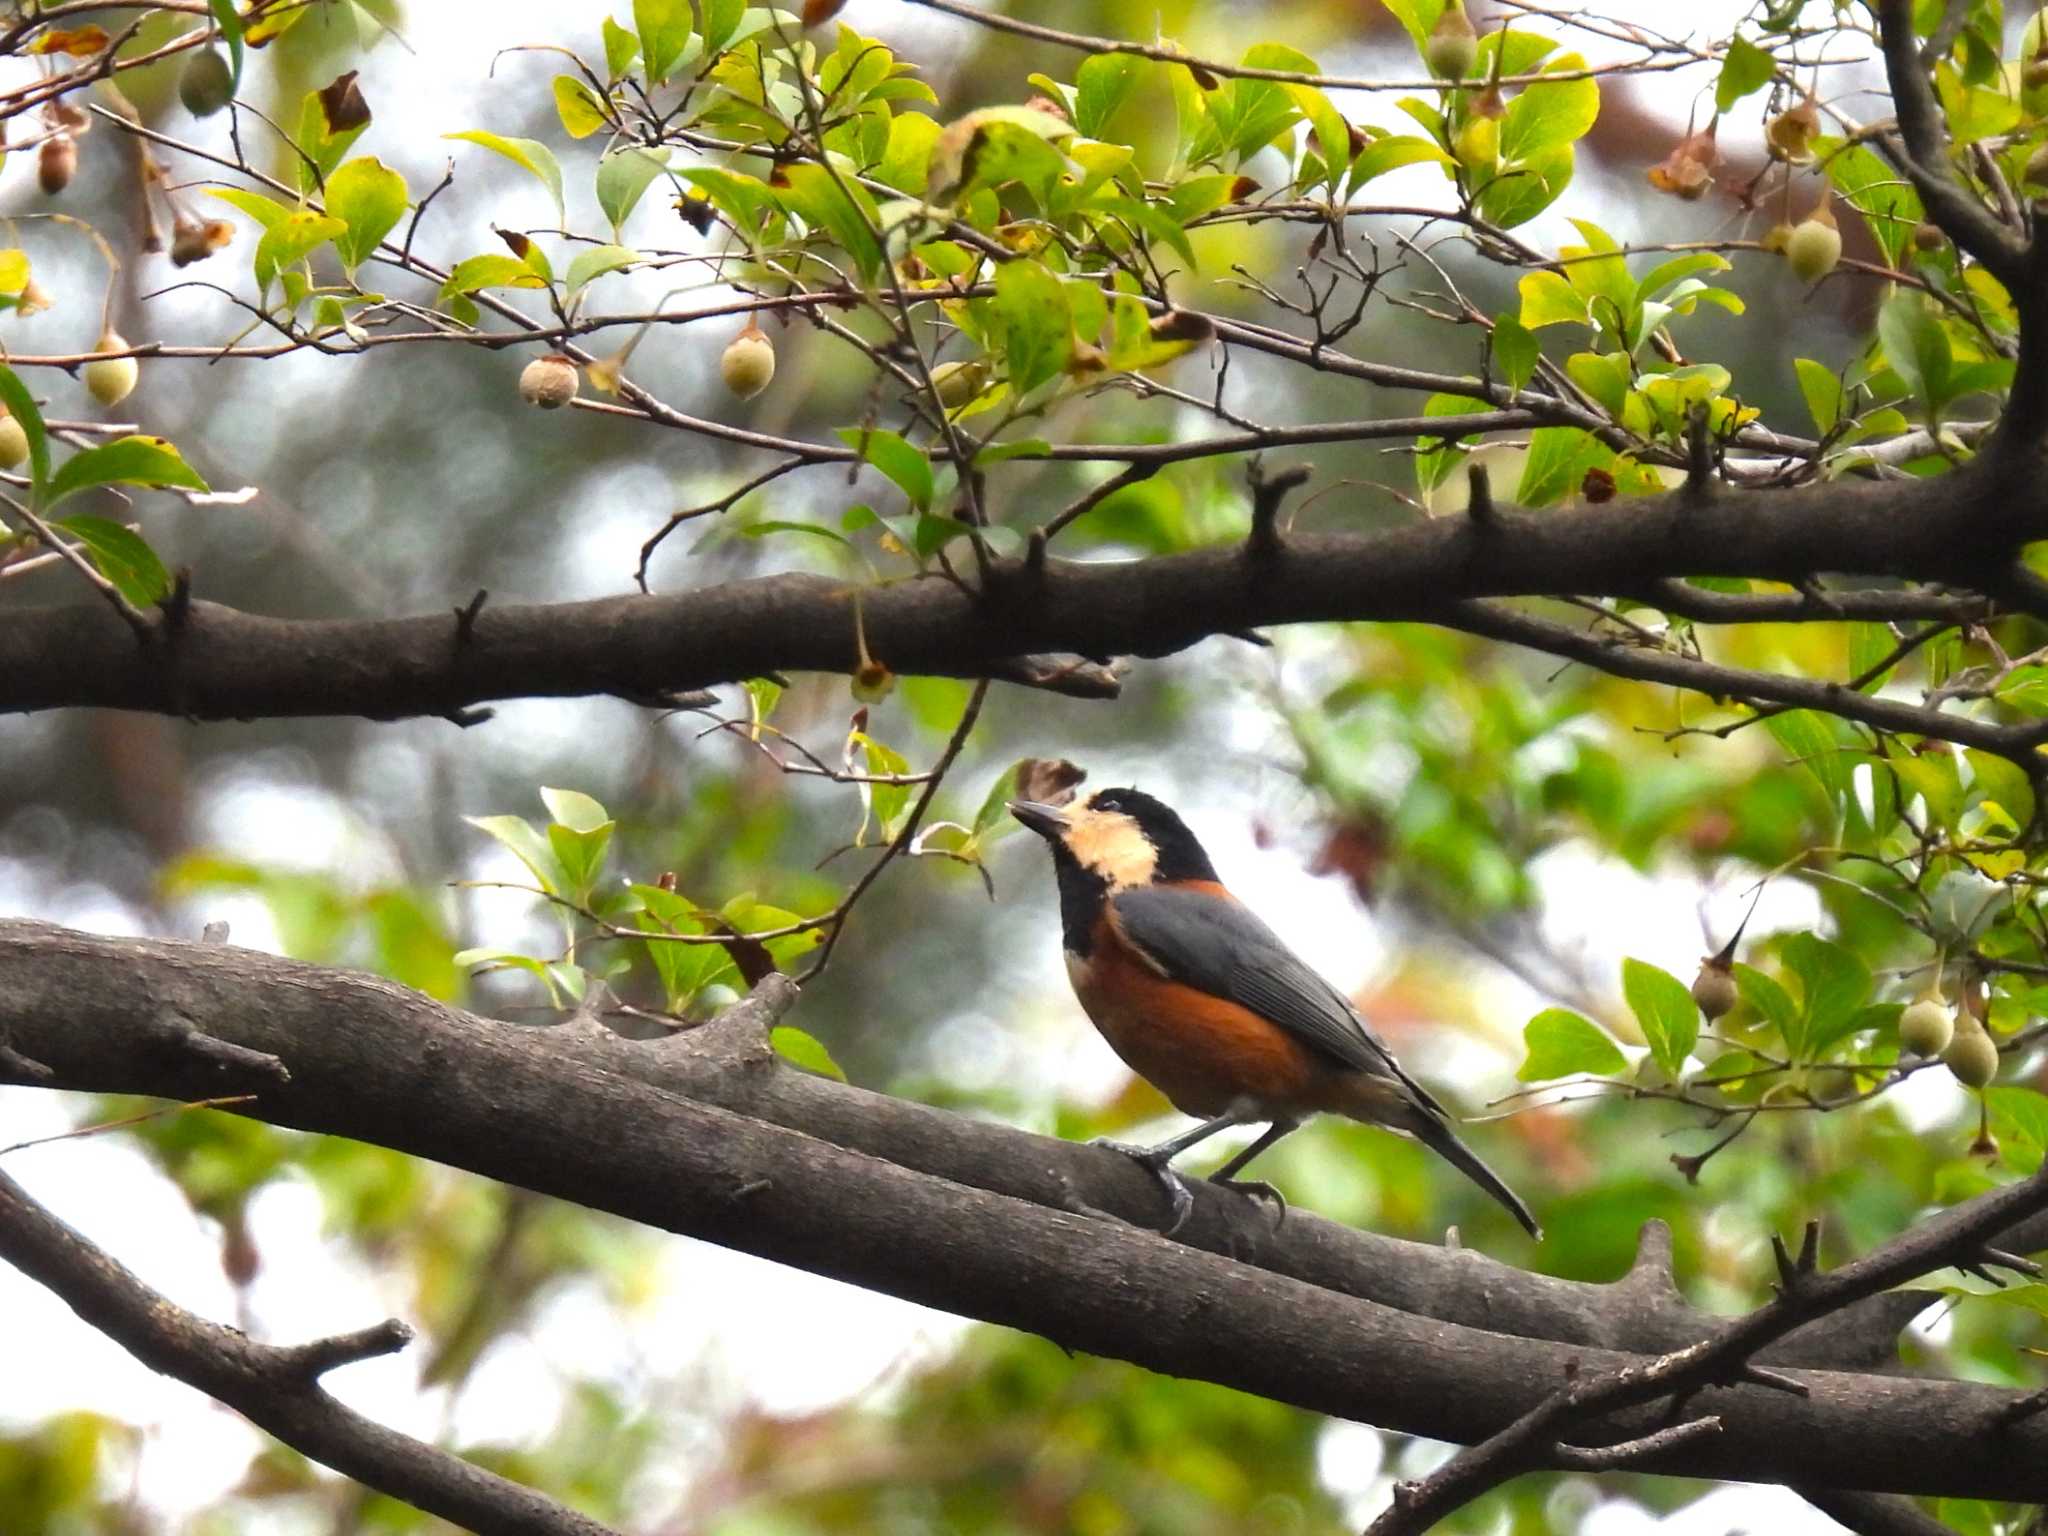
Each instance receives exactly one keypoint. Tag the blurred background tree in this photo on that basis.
(1605, 256)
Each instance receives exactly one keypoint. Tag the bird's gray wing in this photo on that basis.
(1220, 946)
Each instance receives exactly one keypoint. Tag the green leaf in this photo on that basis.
(804, 1050)
(1770, 1001)
(1562, 1043)
(728, 22)
(1391, 153)
(906, 162)
(1525, 190)
(290, 240)
(1101, 85)
(21, 405)
(135, 460)
(685, 969)
(838, 207)
(1744, 68)
(773, 525)
(1669, 274)
(1558, 460)
(370, 198)
(1435, 458)
(1917, 348)
(664, 27)
(1515, 350)
(1807, 736)
(2003, 783)
(575, 810)
(581, 855)
(993, 819)
(491, 957)
(1669, 1018)
(1835, 983)
(2019, 1118)
(229, 21)
(593, 261)
(1549, 299)
(909, 467)
(1603, 375)
(1887, 202)
(529, 154)
(320, 143)
(999, 153)
(490, 270)
(581, 112)
(532, 850)
(1038, 333)
(123, 556)
(266, 211)
(888, 801)
(623, 176)
(1548, 116)
(621, 48)
(1822, 390)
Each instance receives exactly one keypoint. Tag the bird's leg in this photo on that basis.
(1257, 1188)
(1155, 1161)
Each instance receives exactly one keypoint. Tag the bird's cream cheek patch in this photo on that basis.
(1109, 843)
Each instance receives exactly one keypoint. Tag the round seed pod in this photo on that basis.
(549, 382)
(1714, 988)
(1926, 1026)
(1453, 46)
(206, 83)
(111, 379)
(1814, 248)
(13, 443)
(56, 163)
(748, 364)
(1971, 1055)
(959, 382)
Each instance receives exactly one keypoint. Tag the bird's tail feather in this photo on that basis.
(1442, 1140)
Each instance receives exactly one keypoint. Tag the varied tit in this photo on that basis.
(1204, 1001)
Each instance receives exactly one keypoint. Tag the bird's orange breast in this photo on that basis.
(1203, 1052)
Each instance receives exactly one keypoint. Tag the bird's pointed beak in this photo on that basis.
(1045, 820)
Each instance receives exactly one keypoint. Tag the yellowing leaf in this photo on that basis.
(578, 105)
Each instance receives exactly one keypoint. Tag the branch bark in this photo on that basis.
(277, 1389)
(1960, 529)
(1924, 155)
(439, 1083)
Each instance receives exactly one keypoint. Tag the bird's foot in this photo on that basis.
(1154, 1160)
(1256, 1189)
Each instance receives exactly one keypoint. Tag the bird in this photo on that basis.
(1202, 999)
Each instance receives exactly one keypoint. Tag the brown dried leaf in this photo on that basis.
(1048, 780)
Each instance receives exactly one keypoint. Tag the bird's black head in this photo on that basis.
(1120, 837)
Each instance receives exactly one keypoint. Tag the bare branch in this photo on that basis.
(1955, 1237)
(276, 1389)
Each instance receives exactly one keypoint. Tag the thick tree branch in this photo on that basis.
(1960, 529)
(1923, 157)
(276, 1389)
(445, 1084)
(727, 1066)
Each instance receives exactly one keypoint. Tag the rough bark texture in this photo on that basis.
(368, 1059)
(217, 662)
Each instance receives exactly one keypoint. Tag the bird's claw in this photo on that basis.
(1257, 1189)
(1177, 1192)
